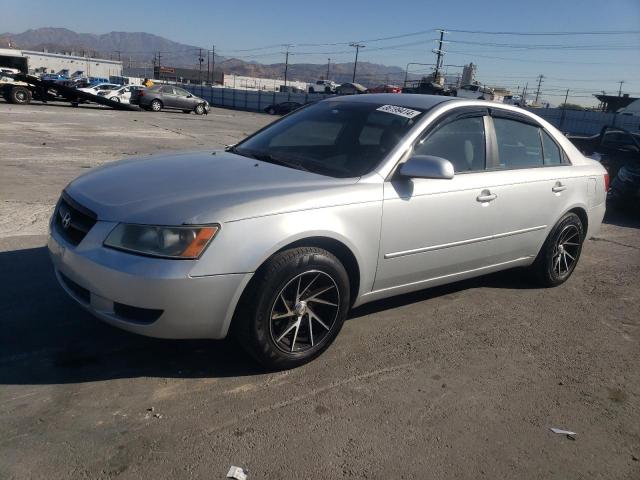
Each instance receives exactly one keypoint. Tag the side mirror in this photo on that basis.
(427, 166)
(189, 96)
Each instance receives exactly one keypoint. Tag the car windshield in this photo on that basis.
(339, 139)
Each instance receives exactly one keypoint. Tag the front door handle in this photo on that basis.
(558, 187)
(486, 196)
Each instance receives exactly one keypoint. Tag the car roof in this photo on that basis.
(405, 100)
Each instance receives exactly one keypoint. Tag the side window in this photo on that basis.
(167, 90)
(519, 144)
(181, 92)
(462, 142)
(550, 150)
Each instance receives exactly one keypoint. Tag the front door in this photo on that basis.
(433, 229)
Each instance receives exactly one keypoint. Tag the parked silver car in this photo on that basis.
(342, 202)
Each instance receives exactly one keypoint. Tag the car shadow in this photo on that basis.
(48, 339)
(514, 279)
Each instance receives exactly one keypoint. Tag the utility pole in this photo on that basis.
(208, 67)
(213, 64)
(328, 65)
(620, 89)
(200, 60)
(524, 94)
(286, 62)
(118, 52)
(357, 46)
(439, 54)
(159, 66)
(540, 77)
(564, 109)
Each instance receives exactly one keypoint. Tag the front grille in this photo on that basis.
(73, 221)
(80, 292)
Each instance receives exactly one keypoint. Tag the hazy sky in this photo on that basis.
(583, 63)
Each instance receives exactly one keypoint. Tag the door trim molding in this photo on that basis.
(415, 251)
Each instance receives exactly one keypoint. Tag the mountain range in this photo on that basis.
(136, 49)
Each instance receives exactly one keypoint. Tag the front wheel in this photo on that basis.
(271, 111)
(294, 308)
(199, 109)
(115, 99)
(156, 105)
(560, 253)
(20, 95)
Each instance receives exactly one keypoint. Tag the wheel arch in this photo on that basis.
(332, 245)
(337, 248)
(582, 215)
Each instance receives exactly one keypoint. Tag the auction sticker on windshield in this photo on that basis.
(401, 111)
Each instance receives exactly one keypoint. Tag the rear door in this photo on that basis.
(533, 182)
(168, 96)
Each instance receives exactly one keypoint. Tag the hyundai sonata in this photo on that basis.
(342, 202)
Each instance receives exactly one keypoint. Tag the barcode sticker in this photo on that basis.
(401, 111)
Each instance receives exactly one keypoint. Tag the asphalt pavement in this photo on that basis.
(461, 381)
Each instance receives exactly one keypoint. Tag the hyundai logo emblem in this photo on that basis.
(66, 220)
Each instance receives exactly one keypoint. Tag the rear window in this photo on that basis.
(519, 144)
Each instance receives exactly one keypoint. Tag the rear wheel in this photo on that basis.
(271, 111)
(294, 308)
(560, 253)
(20, 95)
(156, 105)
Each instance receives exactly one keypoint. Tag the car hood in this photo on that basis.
(206, 187)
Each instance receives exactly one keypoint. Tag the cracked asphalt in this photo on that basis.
(461, 381)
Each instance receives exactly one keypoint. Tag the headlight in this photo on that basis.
(186, 242)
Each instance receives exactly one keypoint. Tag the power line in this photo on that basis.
(596, 32)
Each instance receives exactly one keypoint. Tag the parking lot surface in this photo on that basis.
(462, 381)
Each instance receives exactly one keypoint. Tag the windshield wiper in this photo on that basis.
(267, 157)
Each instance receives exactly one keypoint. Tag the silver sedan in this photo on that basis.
(340, 203)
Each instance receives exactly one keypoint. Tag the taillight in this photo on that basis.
(606, 182)
(140, 93)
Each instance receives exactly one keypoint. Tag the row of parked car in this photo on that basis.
(154, 98)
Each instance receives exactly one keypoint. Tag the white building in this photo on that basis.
(254, 83)
(54, 62)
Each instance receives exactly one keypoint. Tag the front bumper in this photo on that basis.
(149, 296)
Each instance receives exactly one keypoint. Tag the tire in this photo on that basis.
(312, 90)
(265, 322)
(271, 111)
(199, 110)
(327, 89)
(115, 99)
(20, 95)
(156, 105)
(481, 98)
(560, 252)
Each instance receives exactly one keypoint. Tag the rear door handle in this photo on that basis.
(558, 187)
(486, 196)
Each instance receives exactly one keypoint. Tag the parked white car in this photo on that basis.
(101, 87)
(323, 86)
(475, 91)
(513, 100)
(122, 94)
